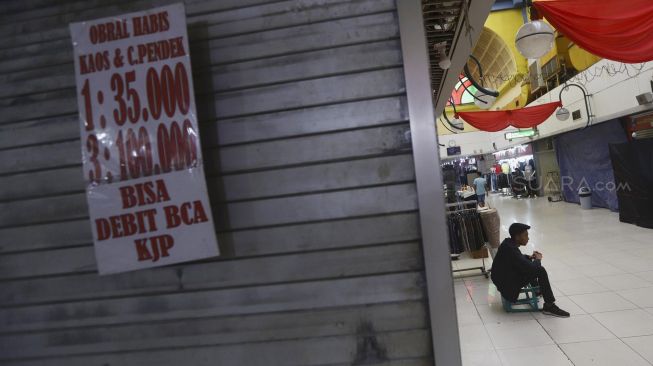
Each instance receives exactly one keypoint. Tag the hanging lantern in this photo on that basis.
(484, 101)
(534, 39)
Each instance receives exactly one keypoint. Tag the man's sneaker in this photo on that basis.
(553, 309)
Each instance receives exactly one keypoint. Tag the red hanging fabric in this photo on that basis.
(493, 121)
(614, 29)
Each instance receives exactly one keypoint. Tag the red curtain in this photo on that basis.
(493, 121)
(614, 29)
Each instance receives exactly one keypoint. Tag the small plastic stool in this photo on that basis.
(531, 300)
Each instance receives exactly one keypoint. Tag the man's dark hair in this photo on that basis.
(517, 228)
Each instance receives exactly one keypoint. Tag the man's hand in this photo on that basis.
(537, 255)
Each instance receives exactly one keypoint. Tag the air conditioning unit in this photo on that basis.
(535, 76)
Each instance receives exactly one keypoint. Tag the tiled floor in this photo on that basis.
(602, 273)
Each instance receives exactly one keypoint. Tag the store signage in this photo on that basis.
(528, 132)
(514, 152)
(141, 154)
(454, 150)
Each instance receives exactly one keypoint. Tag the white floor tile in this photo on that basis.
(611, 352)
(643, 235)
(562, 272)
(484, 293)
(646, 275)
(565, 304)
(474, 338)
(580, 328)
(467, 315)
(527, 333)
(642, 345)
(622, 281)
(534, 356)
(601, 302)
(584, 285)
(481, 358)
(635, 264)
(627, 323)
(642, 297)
(602, 270)
(494, 313)
(580, 259)
(463, 298)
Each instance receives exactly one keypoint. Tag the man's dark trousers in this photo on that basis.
(541, 279)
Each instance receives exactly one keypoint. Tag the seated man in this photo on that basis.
(512, 270)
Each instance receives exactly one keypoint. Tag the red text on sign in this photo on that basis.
(142, 194)
(156, 51)
(107, 32)
(153, 23)
(154, 248)
(94, 62)
(127, 224)
(187, 213)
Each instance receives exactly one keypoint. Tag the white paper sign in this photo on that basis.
(141, 151)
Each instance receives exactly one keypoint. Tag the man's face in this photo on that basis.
(522, 238)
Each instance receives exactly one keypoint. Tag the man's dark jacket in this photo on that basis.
(512, 270)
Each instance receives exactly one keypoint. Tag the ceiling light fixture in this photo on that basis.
(444, 60)
(534, 39)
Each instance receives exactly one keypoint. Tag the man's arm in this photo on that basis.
(524, 265)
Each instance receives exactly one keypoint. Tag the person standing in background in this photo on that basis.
(479, 187)
(529, 174)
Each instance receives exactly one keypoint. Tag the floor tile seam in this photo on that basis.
(609, 311)
(522, 347)
(498, 357)
(631, 288)
(639, 307)
(478, 313)
(588, 341)
(585, 293)
(509, 321)
(605, 326)
(546, 331)
(494, 346)
(637, 353)
(566, 355)
(561, 350)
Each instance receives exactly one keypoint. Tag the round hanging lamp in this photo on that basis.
(562, 114)
(534, 39)
(458, 123)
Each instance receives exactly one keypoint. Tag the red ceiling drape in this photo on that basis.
(493, 121)
(614, 29)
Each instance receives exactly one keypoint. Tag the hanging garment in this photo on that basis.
(502, 181)
(466, 232)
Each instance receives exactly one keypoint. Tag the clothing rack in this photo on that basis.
(459, 207)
